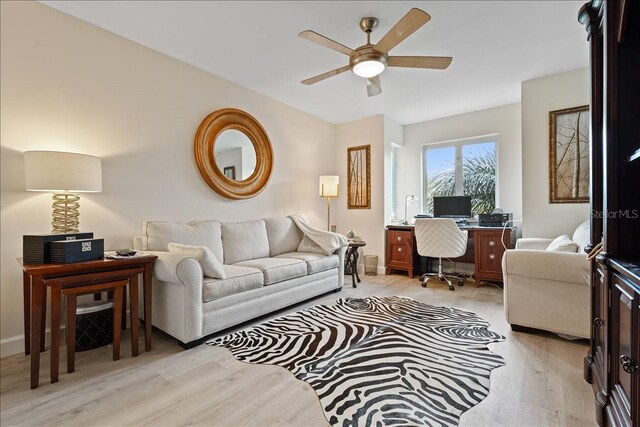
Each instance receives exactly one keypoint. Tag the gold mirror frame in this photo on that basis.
(212, 126)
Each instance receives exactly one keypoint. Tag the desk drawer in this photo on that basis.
(399, 237)
(400, 251)
(489, 251)
(400, 254)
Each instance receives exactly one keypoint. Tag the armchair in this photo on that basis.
(548, 290)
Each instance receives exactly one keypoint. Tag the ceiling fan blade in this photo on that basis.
(410, 22)
(373, 86)
(435, 62)
(326, 75)
(325, 41)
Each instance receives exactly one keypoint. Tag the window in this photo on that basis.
(461, 168)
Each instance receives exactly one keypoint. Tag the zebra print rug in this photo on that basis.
(379, 360)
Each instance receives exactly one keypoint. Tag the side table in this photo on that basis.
(351, 260)
(37, 277)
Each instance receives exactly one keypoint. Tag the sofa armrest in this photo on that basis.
(341, 253)
(546, 265)
(175, 268)
(177, 295)
(533, 243)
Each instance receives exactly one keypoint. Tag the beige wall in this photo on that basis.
(69, 86)
(368, 223)
(503, 121)
(539, 96)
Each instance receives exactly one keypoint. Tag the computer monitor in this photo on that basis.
(452, 207)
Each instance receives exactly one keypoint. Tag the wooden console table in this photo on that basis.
(38, 277)
(484, 249)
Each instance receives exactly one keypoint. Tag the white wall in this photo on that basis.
(503, 121)
(393, 134)
(539, 97)
(69, 86)
(368, 223)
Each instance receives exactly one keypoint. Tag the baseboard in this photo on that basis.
(380, 269)
(15, 345)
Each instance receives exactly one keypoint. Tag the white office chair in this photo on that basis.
(440, 238)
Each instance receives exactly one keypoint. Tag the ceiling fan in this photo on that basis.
(370, 60)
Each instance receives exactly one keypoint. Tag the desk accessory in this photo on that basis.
(35, 247)
(494, 219)
(66, 251)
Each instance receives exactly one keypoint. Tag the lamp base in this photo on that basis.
(65, 213)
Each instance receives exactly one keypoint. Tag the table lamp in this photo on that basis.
(63, 174)
(329, 189)
(407, 200)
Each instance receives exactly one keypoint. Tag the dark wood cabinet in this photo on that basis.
(611, 365)
(401, 251)
(624, 354)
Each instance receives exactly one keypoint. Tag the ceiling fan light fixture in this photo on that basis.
(367, 69)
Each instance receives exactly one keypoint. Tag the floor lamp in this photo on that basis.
(64, 175)
(329, 189)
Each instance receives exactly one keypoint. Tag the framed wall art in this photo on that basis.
(569, 155)
(359, 177)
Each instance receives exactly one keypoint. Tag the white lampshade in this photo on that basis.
(56, 171)
(329, 185)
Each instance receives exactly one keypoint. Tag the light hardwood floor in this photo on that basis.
(541, 384)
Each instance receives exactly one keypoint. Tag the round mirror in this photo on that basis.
(233, 153)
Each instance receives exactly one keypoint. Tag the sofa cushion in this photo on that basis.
(562, 244)
(284, 235)
(211, 267)
(157, 235)
(244, 240)
(238, 279)
(582, 235)
(315, 262)
(277, 269)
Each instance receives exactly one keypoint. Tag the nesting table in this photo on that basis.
(65, 277)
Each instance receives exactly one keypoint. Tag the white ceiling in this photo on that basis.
(495, 45)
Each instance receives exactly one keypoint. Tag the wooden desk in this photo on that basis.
(484, 249)
(37, 277)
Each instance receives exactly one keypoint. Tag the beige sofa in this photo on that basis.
(548, 290)
(264, 272)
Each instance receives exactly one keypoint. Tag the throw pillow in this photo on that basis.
(308, 245)
(563, 244)
(210, 264)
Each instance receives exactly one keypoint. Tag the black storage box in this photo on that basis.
(94, 325)
(65, 251)
(495, 219)
(35, 248)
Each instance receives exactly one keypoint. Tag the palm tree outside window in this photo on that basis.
(465, 167)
